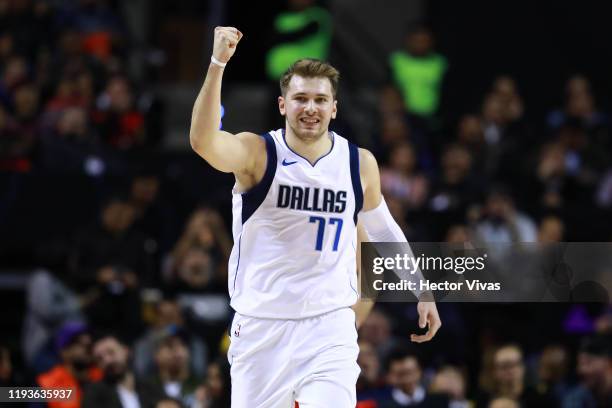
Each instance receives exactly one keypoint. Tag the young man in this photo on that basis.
(298, 194)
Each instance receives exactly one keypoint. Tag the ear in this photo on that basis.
(335, 109)
(281, 105)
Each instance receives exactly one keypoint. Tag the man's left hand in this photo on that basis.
(428, 317)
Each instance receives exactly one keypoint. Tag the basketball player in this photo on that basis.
(298, 195)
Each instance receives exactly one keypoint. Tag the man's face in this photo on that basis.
(508, 366)
(405, 374)
(78, 353)
(592, 369)
(173, 355)
(112, 357)
(308, 106)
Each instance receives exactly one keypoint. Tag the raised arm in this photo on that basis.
(380, 226)
(224, 151)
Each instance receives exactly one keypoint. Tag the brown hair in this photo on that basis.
(310, 68)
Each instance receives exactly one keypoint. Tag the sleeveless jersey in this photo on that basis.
(295, 234)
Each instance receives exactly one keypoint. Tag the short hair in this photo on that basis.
(310, 68)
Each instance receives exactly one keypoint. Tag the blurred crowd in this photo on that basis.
(128, 301)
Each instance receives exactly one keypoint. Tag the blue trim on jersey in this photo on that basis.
(356, 179)
(307, 161)
(252, 199)
(237, 266)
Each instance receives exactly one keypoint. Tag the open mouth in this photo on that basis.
(309, 121)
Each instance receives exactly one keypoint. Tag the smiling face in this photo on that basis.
(308, 106)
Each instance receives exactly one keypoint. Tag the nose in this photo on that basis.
(310, 107)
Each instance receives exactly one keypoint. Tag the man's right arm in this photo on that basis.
(224, 151)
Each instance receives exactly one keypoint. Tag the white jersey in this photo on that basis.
(295, 234)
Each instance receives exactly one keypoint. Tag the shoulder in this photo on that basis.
(368, 166)
(251, 139)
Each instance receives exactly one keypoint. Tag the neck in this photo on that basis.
(309, 148)
(172, 375)
(128, 381)
(513, 390)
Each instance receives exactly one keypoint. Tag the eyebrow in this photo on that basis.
(305, 93)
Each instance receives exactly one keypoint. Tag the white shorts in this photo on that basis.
(312, 361)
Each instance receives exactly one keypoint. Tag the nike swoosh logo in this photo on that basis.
(286, 163)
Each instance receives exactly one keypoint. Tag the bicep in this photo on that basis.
(370, 180)
(231, 153)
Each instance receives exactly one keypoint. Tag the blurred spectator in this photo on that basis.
(215, 393)
(404, 375)
(504, 402)
(553, 368)
(400, 178)
(6, 367)
(579, 104)
(168, 316)
(502, 223)
(50, 305)
(118, 387)
(508, 380)
(205, 230)
(75, 371)
(173, 373)
(451, 381)
(418, 72)
(454, 190)
(551, 229)
(376, 330)
(371, 386)
(116, 118)
(112, 260)
(594, 367)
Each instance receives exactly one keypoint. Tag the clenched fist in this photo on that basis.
(226, 40)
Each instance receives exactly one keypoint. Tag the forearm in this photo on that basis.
(362, 309)
(206, 114)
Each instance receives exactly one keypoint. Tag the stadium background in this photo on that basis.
(95, 101)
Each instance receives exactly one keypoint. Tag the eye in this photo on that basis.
(321, 100)
(300, 98)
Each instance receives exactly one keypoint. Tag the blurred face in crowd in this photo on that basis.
(112, 357)
(73, 124)
(593, 369)
(167, 403)
(504, 403)
(551, 230)
(394, 130)
(215, 381)
(145, 189)
(376, 329)
(15, 71)
(492, 110)
(78, 353)
(553, 364)
(118, 216)
(449, 381)
(119, 94)
(456, 162)
(458, 234)
(169, 312)
(368, 362)
(403, 158)
(470, 130)
(308, 106)
(196, 269)
(405, 374)
(508, 368)
(420, 42)
(26, 101)
(172, 357)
